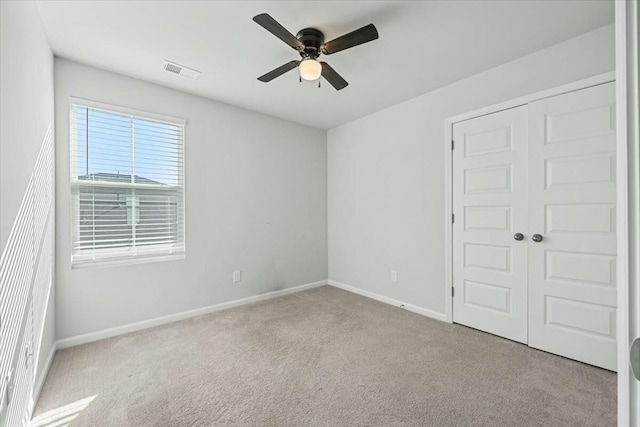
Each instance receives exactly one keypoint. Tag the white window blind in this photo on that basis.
(127, 183)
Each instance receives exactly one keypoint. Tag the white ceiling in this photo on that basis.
(422, 46)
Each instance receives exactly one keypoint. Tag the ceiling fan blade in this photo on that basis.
(354, 38)
(278, 71)
(332, 77)
(268, 23)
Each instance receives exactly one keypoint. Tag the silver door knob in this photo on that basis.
(537, 238)
(518, 236)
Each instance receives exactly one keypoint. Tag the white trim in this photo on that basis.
(409, 307)
(145, 324)
(110, 108)
(448, 227)
(43, 374)
(448, 166)
(516, 102)
(628, 181)
(119, 258)
(622, 222)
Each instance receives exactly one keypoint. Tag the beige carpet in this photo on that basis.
(323, 357)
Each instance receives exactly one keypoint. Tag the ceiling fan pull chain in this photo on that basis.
(318, 83)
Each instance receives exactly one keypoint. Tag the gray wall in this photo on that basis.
(256, 201)
(257, 193)
(26, 115)
(26, 104)
(386, 172)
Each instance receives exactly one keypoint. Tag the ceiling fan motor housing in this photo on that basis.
(312, 40)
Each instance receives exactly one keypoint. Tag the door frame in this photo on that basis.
(627, 15)
(448, 161)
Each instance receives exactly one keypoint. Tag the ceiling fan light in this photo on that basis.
(310, 69)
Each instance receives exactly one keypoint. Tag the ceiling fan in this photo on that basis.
(309, 42)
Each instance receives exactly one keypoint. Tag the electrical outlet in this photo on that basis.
(394, 275)
(237, 276)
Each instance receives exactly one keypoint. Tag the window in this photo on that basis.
(127, 185)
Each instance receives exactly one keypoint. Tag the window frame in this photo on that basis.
(129, 254)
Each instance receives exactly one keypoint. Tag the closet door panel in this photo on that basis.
(572, 196)
(489, 192)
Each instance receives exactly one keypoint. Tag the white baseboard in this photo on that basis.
(410, 307)
(43, 375)
(145, 324)
(119, 330)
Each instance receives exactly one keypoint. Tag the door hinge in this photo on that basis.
(453, 218)
(453, 291)
(453, 143)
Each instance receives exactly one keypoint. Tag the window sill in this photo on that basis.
(139, 259)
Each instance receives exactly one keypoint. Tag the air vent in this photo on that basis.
(181, 70)
(172, 68)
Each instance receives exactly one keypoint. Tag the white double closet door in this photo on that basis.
(534, 237)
